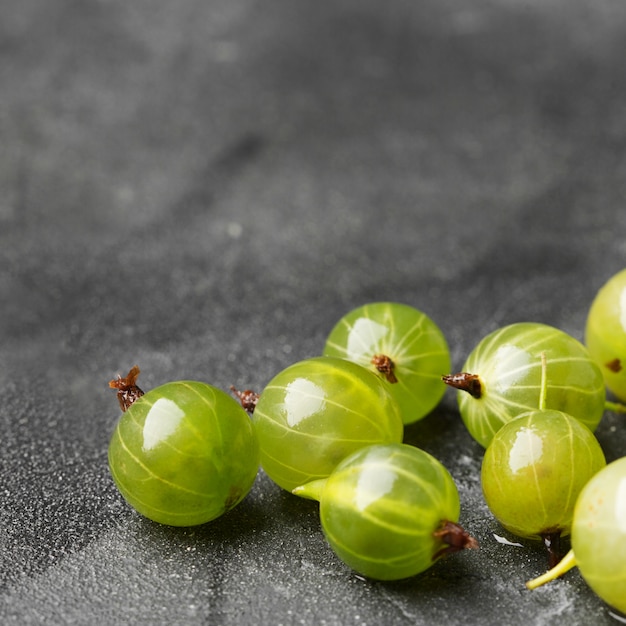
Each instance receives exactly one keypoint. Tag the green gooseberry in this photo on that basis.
(501, 379)
(605, 333)
(389, 511)
(533, 470)
(316, 412)
(403, 345)
(598, 541)
(183, 453)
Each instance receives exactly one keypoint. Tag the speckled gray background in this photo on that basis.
(204, 188)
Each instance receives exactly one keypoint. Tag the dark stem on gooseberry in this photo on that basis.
(614, 366)
(127, 390)
(248, 398)
(465, 382)
(385, 366)
(456, 538)
(552, 542)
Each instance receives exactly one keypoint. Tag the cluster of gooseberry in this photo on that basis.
(532, 396)
(330, 428)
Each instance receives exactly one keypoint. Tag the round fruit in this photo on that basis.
(183, 453)
(403, 345)
(533, 470)
(501, 379)
(605, 333)
(316, 412)
(599, 537)
(389, 511)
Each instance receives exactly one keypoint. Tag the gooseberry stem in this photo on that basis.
(562, 567)
(615, 407)
(311, 490)
(543, 390)
(465, 382)
(127, 390)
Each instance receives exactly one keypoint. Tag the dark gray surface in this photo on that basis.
(204, 188)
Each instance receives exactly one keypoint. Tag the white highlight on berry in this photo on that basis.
(161, 422)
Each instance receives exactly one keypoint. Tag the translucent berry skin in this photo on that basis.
(184, 453)
(414, 343)
(381, 508)
(599, 534)
(534, 469)
(508, 364)
(605, 333)
(316, 412)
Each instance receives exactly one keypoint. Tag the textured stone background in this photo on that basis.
(204, 188)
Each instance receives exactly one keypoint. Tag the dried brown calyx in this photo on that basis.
(552, 542)
(248, 398)
(614, 366)
(455, 537)
(465, 382)
(127, 389)
(385, 366)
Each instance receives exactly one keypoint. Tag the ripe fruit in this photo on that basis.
(533, 470)
(501, 379)
(183, 453)
(403, 345)
(316, 412)
(605, 333)
(599, 537)
(389, 511)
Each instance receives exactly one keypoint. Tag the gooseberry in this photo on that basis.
(533, 470)
(183, 453)
(400, 343)
(389, 511)
(316, 412)
(502, 375)
(598, 541)
(605, 333)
